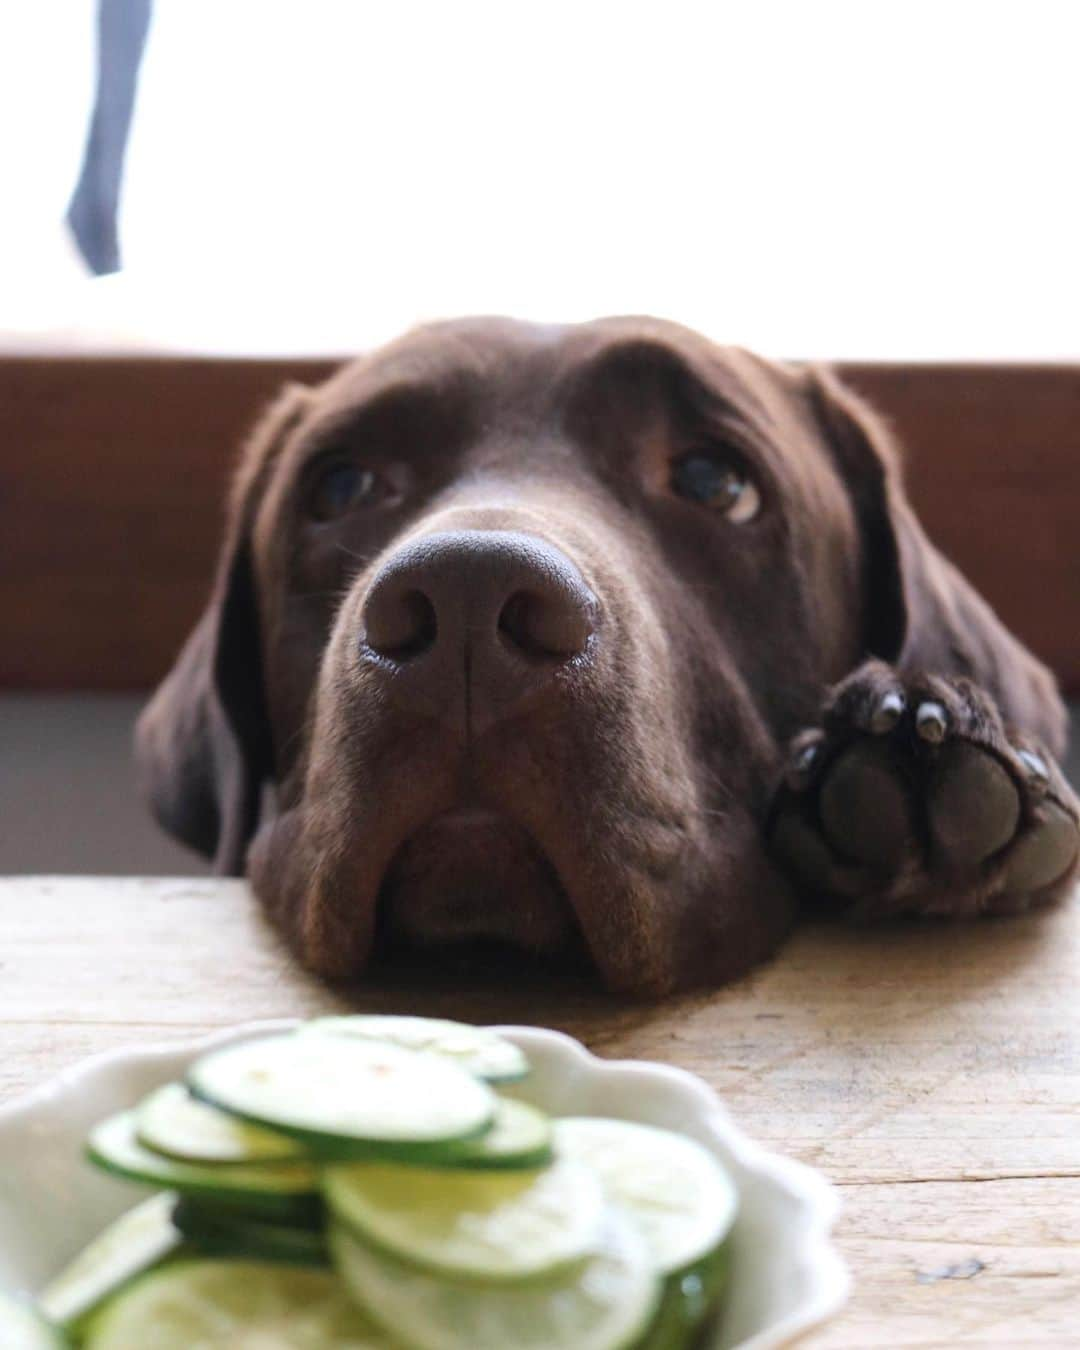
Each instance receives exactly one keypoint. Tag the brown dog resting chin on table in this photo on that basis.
(598, 639)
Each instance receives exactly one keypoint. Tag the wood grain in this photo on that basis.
(112, 472)
(931, 1071)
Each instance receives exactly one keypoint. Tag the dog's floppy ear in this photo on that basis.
(203, 745)
(919, 612)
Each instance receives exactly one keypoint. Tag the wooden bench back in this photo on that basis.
(112, 476)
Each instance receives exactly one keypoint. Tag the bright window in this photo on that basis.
(838, 178)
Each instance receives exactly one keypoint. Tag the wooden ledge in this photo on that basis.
(113, 472)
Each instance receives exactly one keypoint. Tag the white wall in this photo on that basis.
(810, 177)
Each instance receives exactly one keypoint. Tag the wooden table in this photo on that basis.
(932, 1072)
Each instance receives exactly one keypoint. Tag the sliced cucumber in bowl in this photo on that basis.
(481, 1225)
(211, 1230)
(520, 1137)
(677, 1192)
(432, 1212)
(337, 1093)
(225, 1305)
(175, 1124)
(287, 1190)
(604, 1303)
(138, 1240)
(481, 1052)
(689, 1302)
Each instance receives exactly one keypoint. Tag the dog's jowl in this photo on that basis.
(597, 639)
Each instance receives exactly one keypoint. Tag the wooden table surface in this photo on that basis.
(931, 1072)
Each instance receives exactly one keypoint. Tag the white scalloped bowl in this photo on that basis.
(786, 1276)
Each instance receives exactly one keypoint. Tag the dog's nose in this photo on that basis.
(473, 623)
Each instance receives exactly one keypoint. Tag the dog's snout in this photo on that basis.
(474, 622)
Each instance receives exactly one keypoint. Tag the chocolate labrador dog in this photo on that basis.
(600, 638)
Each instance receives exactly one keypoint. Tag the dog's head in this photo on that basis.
(515, 620)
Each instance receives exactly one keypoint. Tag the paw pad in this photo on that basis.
(864, 808)
(913, 797)
(972, 806)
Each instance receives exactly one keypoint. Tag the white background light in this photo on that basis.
(827, 178)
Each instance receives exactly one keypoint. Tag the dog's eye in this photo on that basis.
(341, 486)
(718, 483)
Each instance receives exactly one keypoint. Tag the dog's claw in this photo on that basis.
(931, 722)
(888, 713)
(1038, 773)
(801, 768)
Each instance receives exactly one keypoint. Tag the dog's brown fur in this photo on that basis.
(635, 798)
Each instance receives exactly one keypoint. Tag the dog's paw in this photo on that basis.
(913, 797)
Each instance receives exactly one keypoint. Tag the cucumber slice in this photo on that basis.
(345, 1090)
(216, 1232)
(603, 1304)
(136, 1241)
(21, 1328)
(690, 1300)
(489, 1226)
(281, 1190)
(677, 1192)
(520, 1137)
(225, 1305)
(483, 1053)
(171, 1122)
